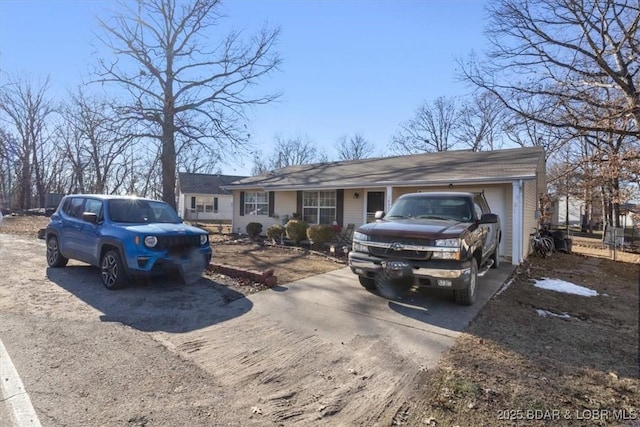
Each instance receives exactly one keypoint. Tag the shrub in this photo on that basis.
(320, 234)
(296, 230)
(275, 232)
(254, 229)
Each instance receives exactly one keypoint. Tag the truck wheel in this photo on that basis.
(367, 282)
(496, 258)
(467, 296)
(112, 271)
(54, 257)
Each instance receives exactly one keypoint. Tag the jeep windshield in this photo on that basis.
(135, 211)
(440, 208)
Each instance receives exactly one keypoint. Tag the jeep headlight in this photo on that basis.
(204, 238)
(150, 241)
(448, 243)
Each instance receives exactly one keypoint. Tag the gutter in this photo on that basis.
(369, 184)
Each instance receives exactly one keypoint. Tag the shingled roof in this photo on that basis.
(201, 183)
(416, 169)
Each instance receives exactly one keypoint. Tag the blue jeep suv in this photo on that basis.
(124, 236)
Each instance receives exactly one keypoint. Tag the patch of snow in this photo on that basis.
(565, 287)
(545, 313)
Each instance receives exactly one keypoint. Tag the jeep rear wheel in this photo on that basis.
(54, 257)
(112, 271)
(467, 296)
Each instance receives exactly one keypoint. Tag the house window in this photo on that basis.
(319, 207)
(256, 203)
(199, 204)
(203, 204)
(215, 205)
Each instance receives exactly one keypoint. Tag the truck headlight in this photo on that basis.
(204, 238)
(448, 243)
(150, 241)
(455, 255)
(360, 236)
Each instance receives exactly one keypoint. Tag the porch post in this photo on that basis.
(517, 224)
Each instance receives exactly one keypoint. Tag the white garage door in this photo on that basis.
(497, 199)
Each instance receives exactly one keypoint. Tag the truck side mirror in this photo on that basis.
(379, 214)
(488, 218)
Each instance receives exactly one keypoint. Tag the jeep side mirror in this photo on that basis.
(488, 218)
(90, 217)
(379, 215)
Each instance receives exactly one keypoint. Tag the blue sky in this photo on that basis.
(348, 66)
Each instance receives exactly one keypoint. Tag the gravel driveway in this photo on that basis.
(321, 351)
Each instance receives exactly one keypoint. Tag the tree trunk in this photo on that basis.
(168, 161)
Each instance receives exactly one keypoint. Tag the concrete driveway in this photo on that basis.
(336, 309)
(335, 305)
(325, 351)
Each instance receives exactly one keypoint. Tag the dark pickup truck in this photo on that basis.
(435, 239)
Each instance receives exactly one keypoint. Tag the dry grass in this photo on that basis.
(544, 369)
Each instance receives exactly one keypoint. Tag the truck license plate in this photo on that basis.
(397, 267)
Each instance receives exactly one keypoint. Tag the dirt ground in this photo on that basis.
(512, 366)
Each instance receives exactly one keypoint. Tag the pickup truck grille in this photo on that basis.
(178, 242)
(404, 241)
(401, 254)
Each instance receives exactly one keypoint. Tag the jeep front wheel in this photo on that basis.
(467, 296)
(112, 271)
(54, 257)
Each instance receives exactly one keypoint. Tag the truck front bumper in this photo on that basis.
(432, 273)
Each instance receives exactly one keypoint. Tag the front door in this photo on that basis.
(375, 202)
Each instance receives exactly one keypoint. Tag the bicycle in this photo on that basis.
(542, 244)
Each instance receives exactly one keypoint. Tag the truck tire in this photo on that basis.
(367, 282)
(496, 258)
(467, 296)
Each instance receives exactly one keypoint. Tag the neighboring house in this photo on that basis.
(201, 196)
(352, 191)
(630, 215)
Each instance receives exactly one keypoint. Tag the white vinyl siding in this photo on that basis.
(529, 221)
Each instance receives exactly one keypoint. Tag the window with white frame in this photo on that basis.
(256, 203)
(205, 204)
(319, 207)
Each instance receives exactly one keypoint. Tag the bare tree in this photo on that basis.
(94, 140)
(430, 130)
(577, 61)
(354, 148)
(8, 162)
(479, 124)
(183, 90)
(26, 109)
(300, 150)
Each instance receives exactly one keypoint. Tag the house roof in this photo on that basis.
(202, 183)
(417, 169)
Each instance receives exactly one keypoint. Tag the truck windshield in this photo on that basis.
(444, 208)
